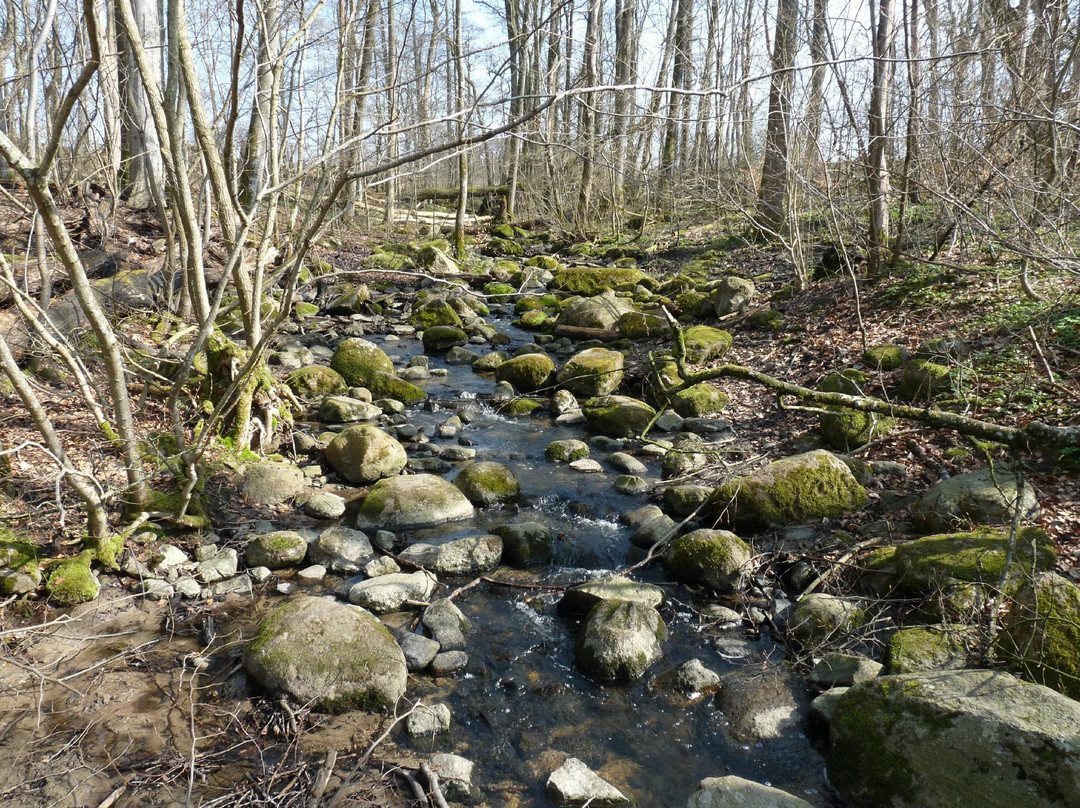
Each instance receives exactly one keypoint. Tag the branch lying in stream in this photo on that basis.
(1031, 436)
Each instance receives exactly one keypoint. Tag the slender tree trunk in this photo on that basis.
(588, 124)
(776, 170)
(256, 157)
(815, 101)
(463, 154)
(143, 169)
(877, 169)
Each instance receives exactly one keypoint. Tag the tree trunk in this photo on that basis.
(877, 170)
(143, 173)
(256, 157)
(775, 171)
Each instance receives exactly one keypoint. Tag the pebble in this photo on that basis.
(259, 575)
(586, 465)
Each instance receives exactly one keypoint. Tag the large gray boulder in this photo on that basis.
(276, 550)
(985, 497)
(272, 483)
(715, 558)
(735, 792)
(581, 599)
(620, 640)
(341, 549)
(406, 503)
(618, 416)
(456, 556)
(525, 543)
(388, 593)
(955, 739)
(488, 483)
(733, 294)
(592, 372)
(762, 703)
(364, 454)
(795, 489)
(601, 311)
(321, 652)
(346, 410)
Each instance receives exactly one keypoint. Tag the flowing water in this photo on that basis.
(521, 696)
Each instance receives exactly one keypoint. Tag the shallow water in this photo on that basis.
(521, 695)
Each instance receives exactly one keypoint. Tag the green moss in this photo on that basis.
(489, 361)
(694, 304)
(566, 451)
(528, 303)
(710, 557)
(618, 416)
(924, 380)
(1041, 639)
(704, 343)
(439, 339)
(590, 281)
(71, 581)
(432, 313)
(315, 382)
(527, 373)
(487, 483)
(388, 385)
(699, 401)
(885, 357)
(519, 407)
(503, 246)
(548, 262)
(767, 320)
(304, 310)
(168, 502)
(636, 325)
(499, 291)
(928, 648)
(358, 360)
(533, 320)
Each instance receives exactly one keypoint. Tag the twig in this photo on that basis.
(1039, 351)
(434, 792)
(417, 791)
(322, 779)
(833, 566)
(340, 793)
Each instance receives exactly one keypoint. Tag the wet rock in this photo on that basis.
(626, 463)
(455, 777)
(458, 454)
(325, 506)
(433, 312)
(1041, 635)
(465, 556)
(390, 406)
(388, 385)
(592, 372)
(618, 416)
(694, 677)
(761, 704)
(955, 738)
(276, 550)
(490, 361)
(272, 483)
(582, 598)
(732, 295)
(819, 618)
(620, 640)
(586, 466)
(649, 533)
(364, 453)
(525, 543)
(563, 402)
(527, 373)
(447, 662)
(345, 410)
(488, 483)
(686, 458)
(843, 670)
(983, 497)
(441, 338)
(446, 624)
(341, 549)
(639, 516)
(405, 503)
(418, 650)
(722, 615)
(631, 484)
(427, 720)
(388, 593)
(321, 652)
(574, 785)
(714, 558)
(793, 490)
(566, 451)
(735, 792)
(600, 311)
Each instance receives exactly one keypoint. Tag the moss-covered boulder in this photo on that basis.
(592, 372)
(525, 543)
(589, 281)
(533, 321)
(926, 566)
(438, 339)
(358, 360)
(321, 652)
(920, 649)
(714, 558)
(819, 618)
(527, 373)
(410, 502)
(703, 343)
(617, 416)
(566, 451)
(316, 381)
(489, 361)
(695, 304)
(432, 312)
(488, 483)
(389, 385)
(924, 380)
(72, 581)
(276, 550)
(620, 640)
(885, 357)
(519, 407)
(364, 454)
(955, 738)
(846, 429)
(1041, 637)
(699, 401)
(600, 311)
(349, 299)
(638, 325)
(809, 486)
(985, 497)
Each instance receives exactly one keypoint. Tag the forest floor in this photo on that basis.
(1024, 363)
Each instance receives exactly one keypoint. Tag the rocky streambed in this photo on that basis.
(467, 525)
